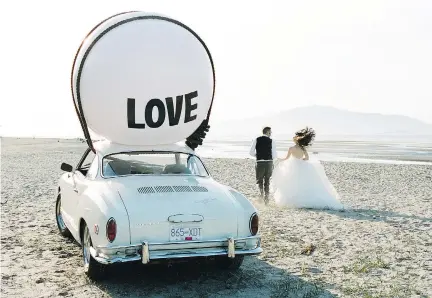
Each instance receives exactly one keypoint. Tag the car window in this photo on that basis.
(88, 160)
(195, 165)
(152, 163)
(92, 171)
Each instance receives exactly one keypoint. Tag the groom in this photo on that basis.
(264, 149)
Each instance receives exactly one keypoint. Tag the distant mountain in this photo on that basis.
(325, 120)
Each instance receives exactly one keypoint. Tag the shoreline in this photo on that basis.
(356, 160)
(207, 151)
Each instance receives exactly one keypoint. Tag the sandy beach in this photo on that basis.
(380, 247)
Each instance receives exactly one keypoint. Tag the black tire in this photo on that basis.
(64, 231)
(92, 268)
(231, 264)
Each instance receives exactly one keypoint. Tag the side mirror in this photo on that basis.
(66, 167)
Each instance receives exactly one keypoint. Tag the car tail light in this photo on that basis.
(253, 224)
(111, 229)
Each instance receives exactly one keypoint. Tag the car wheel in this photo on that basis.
(92, 268)
(229, 263)
(64, 231)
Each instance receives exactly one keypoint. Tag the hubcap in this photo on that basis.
(86, 247)
(59, 216)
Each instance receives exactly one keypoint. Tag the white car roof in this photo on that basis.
(105, 147)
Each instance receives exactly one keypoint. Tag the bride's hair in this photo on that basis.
(305, 136)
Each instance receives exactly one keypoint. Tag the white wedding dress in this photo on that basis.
(299, 183)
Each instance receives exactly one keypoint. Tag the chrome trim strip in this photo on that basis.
(179, 242)
(105, 261)
(153, 251)
(208, 254)
(198, 218)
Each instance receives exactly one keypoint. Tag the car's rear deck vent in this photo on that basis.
(199, 189)
(182, 188)
(167, 188)
(146, 189)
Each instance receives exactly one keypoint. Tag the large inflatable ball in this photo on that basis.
(143, 79)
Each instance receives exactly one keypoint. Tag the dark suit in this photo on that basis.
(264, 149)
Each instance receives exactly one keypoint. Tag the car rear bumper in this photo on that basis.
(146, 252)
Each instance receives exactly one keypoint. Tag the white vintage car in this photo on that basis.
(143, 83)
(145, 204)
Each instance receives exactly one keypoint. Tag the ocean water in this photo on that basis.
(372, 150)
(394, 151)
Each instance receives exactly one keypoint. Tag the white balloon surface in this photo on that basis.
(143, 79)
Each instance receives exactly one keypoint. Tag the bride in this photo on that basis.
(299, 182)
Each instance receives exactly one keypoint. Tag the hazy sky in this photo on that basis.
(371, 56)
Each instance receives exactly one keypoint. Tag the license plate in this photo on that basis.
(181, 233)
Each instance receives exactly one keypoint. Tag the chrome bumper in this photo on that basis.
(145, 252)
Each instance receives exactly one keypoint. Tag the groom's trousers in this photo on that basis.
(264, 171)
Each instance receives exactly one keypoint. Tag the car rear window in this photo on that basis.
(152, 163)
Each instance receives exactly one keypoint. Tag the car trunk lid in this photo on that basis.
(176, 208)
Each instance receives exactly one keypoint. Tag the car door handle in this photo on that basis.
(75, 190)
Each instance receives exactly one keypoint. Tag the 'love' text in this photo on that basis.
(171, 107)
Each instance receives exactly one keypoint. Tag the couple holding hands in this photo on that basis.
(297, 181)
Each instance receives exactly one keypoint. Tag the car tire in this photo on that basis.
(92, 268)
(64, 231)
(230, 263)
